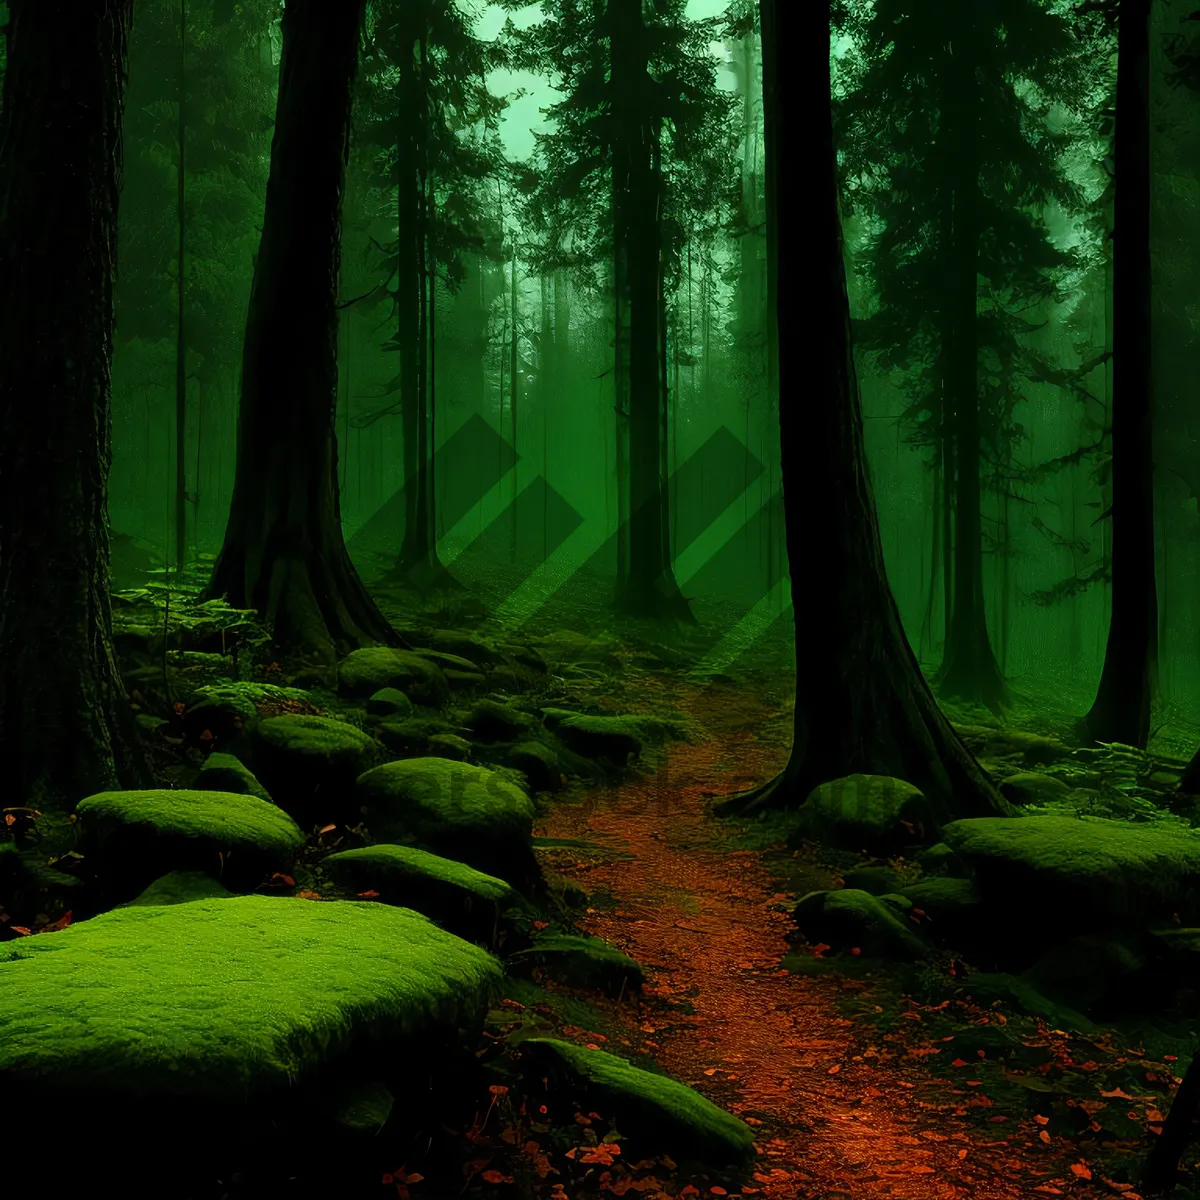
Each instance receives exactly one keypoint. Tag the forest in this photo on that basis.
(598, 598)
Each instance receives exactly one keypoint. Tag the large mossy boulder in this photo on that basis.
(653, 1112)
(364, 672)
(850, 919)
(131, 838)
(455, 809)
(225, 1000)
(1080, 873)
(458, 897)
(582, 961)
(610, 739)
(310, 764)
(872, 813)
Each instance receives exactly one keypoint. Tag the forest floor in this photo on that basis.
(855, 1088)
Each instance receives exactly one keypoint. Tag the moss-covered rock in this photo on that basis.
(227, 773)
(582, 961)
(879, 881)
(411, 737)
(131, 838)
(181, 887)
(464, 646)
(1079, 872)
(450, 745)
(988, 742)
(615, 740)
(449, 662)
(1032, 787)
(458, 897)
(849, 919)
(989, 988)
(939, 859)
(364, 672)
(389, 702)
(465, 812)
(1096, 974)
(491, 721)
(875, 813)
(226, 999)
(538, 763)
(224, 708)
(653, 1112)
(310, 764)
(463, 681)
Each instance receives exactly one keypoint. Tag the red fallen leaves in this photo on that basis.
(494, 1176)
(1081, 1170)
(370, 894)
(279, 877)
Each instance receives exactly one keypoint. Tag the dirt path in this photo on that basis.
(836, 1115)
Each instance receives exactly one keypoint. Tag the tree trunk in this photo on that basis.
(862, 704)
(180, 342)
(1121, 710)
(651, 590)
(65, 727)
(284, 553)
(969, 668)
(408, 314)
(1161, 1171)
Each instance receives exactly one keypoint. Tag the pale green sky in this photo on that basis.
(524, 117)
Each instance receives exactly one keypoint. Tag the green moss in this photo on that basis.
(226, 999)
(614, 739)
(227, 773)
(310, 763)
(384, 866)
(850, 918)
(181, 887)
(1079, 870)
(452, 808)
(582, 961)
(867, 812)
(365, 671)
(650, 1109)
(390, 702)
(222, 820)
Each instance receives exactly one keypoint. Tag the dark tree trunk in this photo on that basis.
(650, 589)
(408, 320)
(180, 284)
(969, 669)
(1161, 1171)
(418, 563)
(65, 726)
(284, 553)
(1121, 711)
(861, 702)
